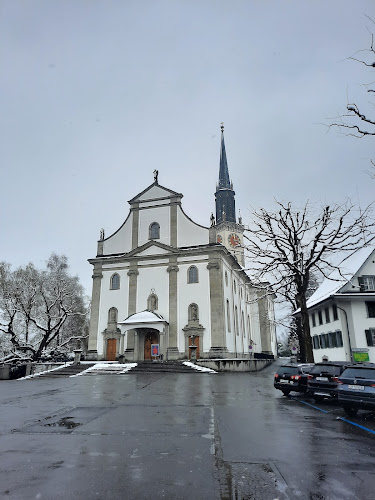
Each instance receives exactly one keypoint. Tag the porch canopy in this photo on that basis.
(144, 319)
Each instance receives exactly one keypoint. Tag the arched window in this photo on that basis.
(228, 315)
(112, 315)
(193, 312)
(192, 274)
(154, 231)
(234, 286)
(236, 320)
(115, 282)
(152, 302)
(226, 278)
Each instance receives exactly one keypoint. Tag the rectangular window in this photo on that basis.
(332, 339)
(320, 317)
(367, 283)
(339, 342)
(370, 336)
(324, 340)
(326, 312)
(335, 315)
(370, 309)
(313, 319)
(316, 342)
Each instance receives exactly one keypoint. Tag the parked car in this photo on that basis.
(323, 377)
(292, 377)
(356, 388)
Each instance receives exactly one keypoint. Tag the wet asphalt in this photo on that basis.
(179, 436)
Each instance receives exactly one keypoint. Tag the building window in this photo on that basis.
(332, 339)
(234, 286)
(248, 327)
(370, 309)
(115, 282)
(154, 231)
(320, 317)
(335, 314)
(112, 315)
(324, 340)
(326, 312)
(152, 302)
(367, 283)
(316, 342)
(192, 274)
(228, 315)
(339, 342)
(226, 278)
(193, 312)
(370, 336)
(313, 319)
(236, 320)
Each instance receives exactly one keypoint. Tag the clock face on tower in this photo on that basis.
(234, 240)
(219, 238)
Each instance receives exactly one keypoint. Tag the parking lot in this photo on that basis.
(179, 436)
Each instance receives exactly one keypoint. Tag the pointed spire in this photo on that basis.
(224, 181)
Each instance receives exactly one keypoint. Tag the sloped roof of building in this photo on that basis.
(337, 279)
(143, 317)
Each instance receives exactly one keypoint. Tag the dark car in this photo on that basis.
(356, 388)
(292, 377)
(323, 377)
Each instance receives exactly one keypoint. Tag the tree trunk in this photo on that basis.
(306, 337)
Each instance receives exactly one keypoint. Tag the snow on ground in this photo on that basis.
(46, 371)
(199, 368)
(118, 368)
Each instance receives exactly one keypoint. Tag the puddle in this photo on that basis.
(64, 422)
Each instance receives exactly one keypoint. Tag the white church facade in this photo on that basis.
(162, 279)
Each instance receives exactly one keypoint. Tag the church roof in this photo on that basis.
(224, 181)
(143, 317)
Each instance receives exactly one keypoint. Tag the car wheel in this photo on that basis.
(352, 412)
(286, 393)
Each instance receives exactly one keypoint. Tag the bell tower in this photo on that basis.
(228, 232)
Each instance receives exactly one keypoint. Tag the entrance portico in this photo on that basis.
(148, 328)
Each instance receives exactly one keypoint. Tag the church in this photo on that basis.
(162, 283)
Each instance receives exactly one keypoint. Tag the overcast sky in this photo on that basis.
(97, 94)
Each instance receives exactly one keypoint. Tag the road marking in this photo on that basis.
(312, 406)
(357, 425)
(337, 418)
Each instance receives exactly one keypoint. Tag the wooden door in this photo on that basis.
(150, 338)
(196, 342)
(111, 350)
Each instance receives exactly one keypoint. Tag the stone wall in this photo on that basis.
(235, 365)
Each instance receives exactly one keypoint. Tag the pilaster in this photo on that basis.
(135, 225)
(132, 307)
(218, 338)
(95, 303)
(172, 269)
(173, 225)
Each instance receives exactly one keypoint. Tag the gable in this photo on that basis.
(152, 250)
(154, 192)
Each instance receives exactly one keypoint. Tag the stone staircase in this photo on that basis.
(66, 371)
(162, 367)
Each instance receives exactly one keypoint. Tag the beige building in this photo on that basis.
(162, 282)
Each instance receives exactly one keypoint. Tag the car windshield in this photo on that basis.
(367, 373)
(326, 369)
(306, 369)
(287, 370)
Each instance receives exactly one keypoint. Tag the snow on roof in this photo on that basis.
(348, 267)
(143, 317)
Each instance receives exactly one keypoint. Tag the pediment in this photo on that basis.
(154, 192)
(152, 248)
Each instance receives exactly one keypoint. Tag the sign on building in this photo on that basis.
(154, 349)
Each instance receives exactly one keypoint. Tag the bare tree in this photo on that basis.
(287, 246)
(357, 121)
(40, 308)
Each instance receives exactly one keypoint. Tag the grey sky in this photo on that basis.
(97, 94)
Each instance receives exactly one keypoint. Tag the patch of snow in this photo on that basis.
(46, 371)
(143, 317)
(198, 368)
(119, 368)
